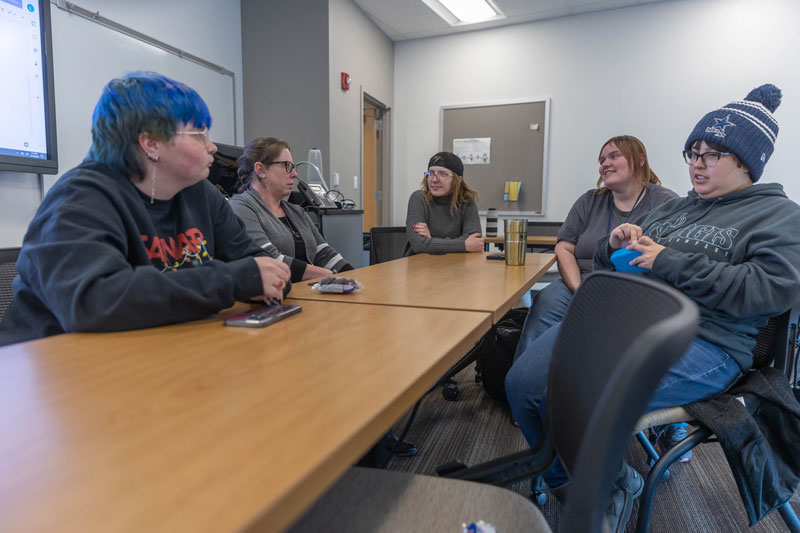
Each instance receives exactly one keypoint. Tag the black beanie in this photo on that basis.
(449, 161)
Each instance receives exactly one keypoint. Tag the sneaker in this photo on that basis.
(401, 448)
(627, 487)
(669, 437)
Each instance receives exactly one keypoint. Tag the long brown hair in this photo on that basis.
(262, 150)
(633, 150)
(461, 192)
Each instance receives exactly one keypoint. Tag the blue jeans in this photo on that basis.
(547, 309)
(703, 372)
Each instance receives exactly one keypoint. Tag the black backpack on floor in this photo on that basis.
(494, 353)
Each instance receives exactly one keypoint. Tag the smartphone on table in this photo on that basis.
(263, 316)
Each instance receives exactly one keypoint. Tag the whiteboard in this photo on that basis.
(87, 55)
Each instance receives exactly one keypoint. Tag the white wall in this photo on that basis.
(360, 48)
(210, 29)
(651, 71)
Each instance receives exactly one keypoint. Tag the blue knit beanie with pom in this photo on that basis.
(745, 127)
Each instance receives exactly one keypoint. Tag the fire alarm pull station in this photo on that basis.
(345, 81)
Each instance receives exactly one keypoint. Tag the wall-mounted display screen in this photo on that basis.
(27, 102)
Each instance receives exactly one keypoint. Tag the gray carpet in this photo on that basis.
(699, 496)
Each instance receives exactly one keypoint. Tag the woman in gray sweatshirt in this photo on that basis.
(443, 215)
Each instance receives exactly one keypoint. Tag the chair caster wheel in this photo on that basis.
(450, 393)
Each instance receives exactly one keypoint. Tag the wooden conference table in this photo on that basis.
(466, 282)
(199, 427)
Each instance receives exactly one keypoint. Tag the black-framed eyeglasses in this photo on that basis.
(709, 159)
(441, 174)
(287, 165)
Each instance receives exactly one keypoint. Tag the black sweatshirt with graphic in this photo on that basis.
(98, 256)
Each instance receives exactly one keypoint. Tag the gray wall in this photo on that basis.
(293, 57)
(285, 62)
(362, 50)
(631, 71)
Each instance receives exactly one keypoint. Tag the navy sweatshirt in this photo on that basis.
(737, 256)
(98, 256)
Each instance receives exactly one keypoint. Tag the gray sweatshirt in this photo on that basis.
(737, 256)
(276, 239)
(448, 231)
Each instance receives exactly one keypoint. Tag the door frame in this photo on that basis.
(384, 166)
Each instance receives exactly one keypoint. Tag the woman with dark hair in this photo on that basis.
(627, 187)
(135, 236)
(443, 215)
(283, 230)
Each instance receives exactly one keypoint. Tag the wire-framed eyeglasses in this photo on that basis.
(441, 174)
(203, 134)
(709, 159)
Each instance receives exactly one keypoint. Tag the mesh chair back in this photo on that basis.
(619, 336)
(386, 243)
(8, 270)
(766, 339)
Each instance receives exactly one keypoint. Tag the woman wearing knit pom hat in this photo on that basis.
(443, 215)
(730, 246)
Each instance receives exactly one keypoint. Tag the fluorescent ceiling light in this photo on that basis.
(464, 11)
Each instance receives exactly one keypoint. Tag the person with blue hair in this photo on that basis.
(135, 236)
(729, 246)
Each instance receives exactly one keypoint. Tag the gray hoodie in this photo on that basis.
(737, 256)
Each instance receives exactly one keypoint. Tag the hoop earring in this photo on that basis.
(154, 158)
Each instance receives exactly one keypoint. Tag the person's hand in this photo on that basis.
(316, 272)
(422, 229)
(650, 250)
(623, 235)
(274, 277)
(474, 243)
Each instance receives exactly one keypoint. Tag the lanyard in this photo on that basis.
(611, 207)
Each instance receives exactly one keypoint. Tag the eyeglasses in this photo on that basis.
(709, 159)
(203, 133)
(441, 174)
(287, 165)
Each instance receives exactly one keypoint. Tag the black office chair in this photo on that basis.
(386, 243)
(645, 328)
(8, 270)
(777, 346)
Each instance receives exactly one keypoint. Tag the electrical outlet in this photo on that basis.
(335, 179)
(355, 182)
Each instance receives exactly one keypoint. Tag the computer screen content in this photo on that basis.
(27, 103)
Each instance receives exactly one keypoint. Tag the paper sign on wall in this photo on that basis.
(476, 151)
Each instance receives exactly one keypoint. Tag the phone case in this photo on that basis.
(262, 316)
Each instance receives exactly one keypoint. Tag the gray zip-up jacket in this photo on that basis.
(274, 237)
(737, 256)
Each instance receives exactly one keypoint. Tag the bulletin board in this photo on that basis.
(517, 136)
